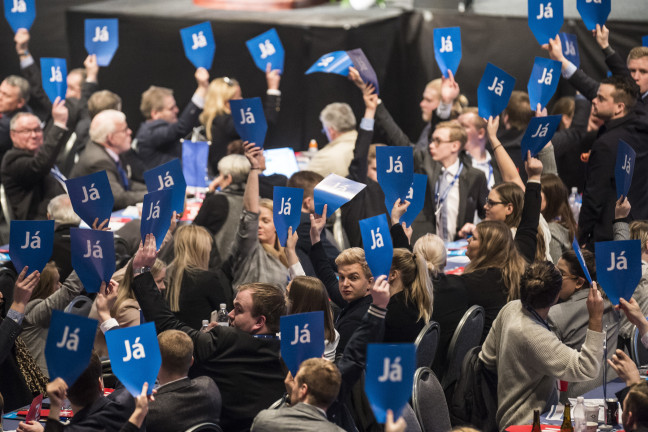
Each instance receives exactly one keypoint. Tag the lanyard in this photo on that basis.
(490, 174)
(537, 316)
(444, 194)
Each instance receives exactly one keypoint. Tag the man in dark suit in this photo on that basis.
(110, 139)
(14, 94)
(455, 190)
(158, 138)
(314, 389)
(614, 104)
(243, 358)
(181, 402)
(27, 168)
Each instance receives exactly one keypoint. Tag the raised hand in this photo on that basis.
(103, 226)
(318, 222)
(146, 254)
(253, 154)
(60, 112)
(91, 67)
(595, 308)
(554, 47)
(23, 289)
(602, 36)
(273, 78)
(625, 368)
(533, 167)
(354, 76)
(380, 292)
(449, 88)
(22, 42)
(622, 208)
(398, 210)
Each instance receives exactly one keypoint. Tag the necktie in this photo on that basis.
(443, 215)
(122, 174)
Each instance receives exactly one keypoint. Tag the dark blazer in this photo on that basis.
(599, 197)
(402, 324)
(201, 293)
(62, 250)
(158, 141)
(568, 147)
(95, 158)
(473, 192)
(246, 369)
(304, 246)
(184, 403)
(301, 417)
(26, 176)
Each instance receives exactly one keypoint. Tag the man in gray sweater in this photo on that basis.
(528, 357)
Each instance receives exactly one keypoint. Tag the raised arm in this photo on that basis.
(526, 236)
(504, 162)
(11, 326)
(358, 167)
(41, 314)
(251, 195)
(320, 260)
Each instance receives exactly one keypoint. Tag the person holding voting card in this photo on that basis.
(242, 358)
(14, 95)
(528, 356)
(28, 170)
(216, 117)
(568, 319)
(110, 140)
(257, 255)
(158, 138)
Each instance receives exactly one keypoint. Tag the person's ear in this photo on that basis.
(260, 322)
(155, 114)
(620, 108)
(21, 103)
(580, 282)
(509, 208)
(308, 205)
(481, 133)
(192, 361)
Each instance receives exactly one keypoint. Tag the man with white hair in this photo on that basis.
(26, 168)
(339, 125)
(110, 137)
(14, 94)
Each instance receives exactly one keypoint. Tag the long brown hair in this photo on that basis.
(498, 250)
(49, 280)
(276, 250)
(124, 277)
(308, 294)
(557, 203)
(416, 281)
(219, 93)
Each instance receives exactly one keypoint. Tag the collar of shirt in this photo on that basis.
(317, 408)
(485, 162)
(452, 169)
(114, 156)
(171, 382)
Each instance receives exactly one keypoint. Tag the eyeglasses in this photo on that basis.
(567, 275)
(437, 141)
(490, 203)
(36, 131)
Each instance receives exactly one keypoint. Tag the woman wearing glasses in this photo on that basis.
(217, 116)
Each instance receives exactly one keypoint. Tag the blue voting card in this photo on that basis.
(594, 12)
(30, 244)
(168, 176)
(102, 39)
(543, 81)
(545, 19)
(538, 133)
(249, 120)
(199, 45)
(389, 378)
(395, 169)
(570, 48)
(335, 191)
(135, 356)
(156, 215)
(93, 256)
(302, 338)
(362, 64)
(494, 91)
(624, 168)
(377, 242)
(581, 260)
(286, 204)
(336, 62)
(416, 197)
(644, 40)
(447, 49)
(267, 48)
(54, 77)
(20, 13)
(618, 268)
(91, 197)
(69, 344)
(195, 155)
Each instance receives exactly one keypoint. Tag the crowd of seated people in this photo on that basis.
(543, 319)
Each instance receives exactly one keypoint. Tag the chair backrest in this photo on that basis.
(466, 336)
(205, 427)
(7, 211)
(411, 420)
(638, 352)
(80, 305)
(429, 402)
(426, 344)
(109, 379)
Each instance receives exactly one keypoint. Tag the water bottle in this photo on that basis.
(222, 318)
(573, 204)
(205, 326)
(580, 423)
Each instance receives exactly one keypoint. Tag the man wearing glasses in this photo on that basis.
(26, 168)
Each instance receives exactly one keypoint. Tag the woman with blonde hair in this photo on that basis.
(217, 115)
(193, 291)
(411, 297)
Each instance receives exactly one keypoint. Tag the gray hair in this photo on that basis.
(18, 116)
(105, 123)
(338, 116)
(235, 165)
(21, 83)
(61, 211)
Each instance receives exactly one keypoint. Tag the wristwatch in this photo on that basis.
(138, 271)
